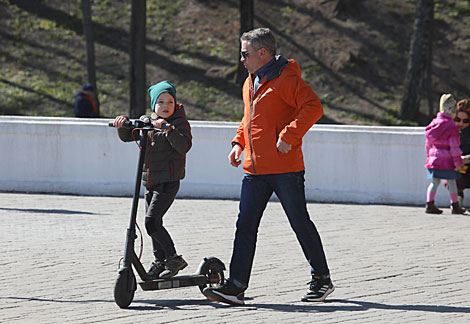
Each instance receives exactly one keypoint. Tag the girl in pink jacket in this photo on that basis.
(444, 155)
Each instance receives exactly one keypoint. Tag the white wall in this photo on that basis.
(84, 156)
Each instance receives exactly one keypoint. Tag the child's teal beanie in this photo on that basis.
(158, 89)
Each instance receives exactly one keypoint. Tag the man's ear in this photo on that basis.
(262, 52)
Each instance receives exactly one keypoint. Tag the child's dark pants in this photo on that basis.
(157, 202)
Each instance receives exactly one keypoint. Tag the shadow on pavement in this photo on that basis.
(52, 300)
(355, 305)
(46, 211)
(174, 304)
(331, 305)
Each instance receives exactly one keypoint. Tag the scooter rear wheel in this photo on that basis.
(124, 288)
(213, 269)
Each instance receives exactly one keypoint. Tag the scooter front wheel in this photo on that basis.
(124, 288)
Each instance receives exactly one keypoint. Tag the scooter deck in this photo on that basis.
(174, 282)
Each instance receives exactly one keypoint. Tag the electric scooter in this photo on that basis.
(210, 271)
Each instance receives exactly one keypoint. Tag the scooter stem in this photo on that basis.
(129, 254)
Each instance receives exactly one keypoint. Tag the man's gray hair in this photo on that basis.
(259, 38)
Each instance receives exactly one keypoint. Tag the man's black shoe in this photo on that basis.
(319, 289)
(227, 293)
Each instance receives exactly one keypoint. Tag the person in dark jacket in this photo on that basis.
(462, 120)
(163, 169)
(84, 105)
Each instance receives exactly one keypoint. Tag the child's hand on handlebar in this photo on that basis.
(159, 122)
(119, 121)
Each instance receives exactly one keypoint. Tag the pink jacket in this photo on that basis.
(442, 144)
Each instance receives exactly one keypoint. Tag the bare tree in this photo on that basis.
(420, 58)
(246, 24)
(432, 108)
(90, 48)
(137, 57)
(347, 7)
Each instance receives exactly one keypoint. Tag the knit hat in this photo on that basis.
(447, 104)
(88, 87)
(158, 89)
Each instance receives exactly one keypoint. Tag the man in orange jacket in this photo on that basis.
(279, 109)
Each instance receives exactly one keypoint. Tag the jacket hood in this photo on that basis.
(280, 63)
(440, 125)
(178, 113)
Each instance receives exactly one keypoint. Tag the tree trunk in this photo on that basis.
(432, 108)
(347, 7)
(418, 59)
(90, 48)
(246, 24)
(137, 81)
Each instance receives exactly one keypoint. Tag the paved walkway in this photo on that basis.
(59, 259)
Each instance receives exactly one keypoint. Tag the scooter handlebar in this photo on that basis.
(137, 123)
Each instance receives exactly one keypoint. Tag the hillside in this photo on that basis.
(355, 62)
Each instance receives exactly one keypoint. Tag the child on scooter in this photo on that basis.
(163, 169)
(443, 155)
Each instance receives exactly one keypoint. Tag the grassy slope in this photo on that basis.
(356, 63)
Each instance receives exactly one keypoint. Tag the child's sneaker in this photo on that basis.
(319, 289)
(227, 293)
(156, 269)
(173, 265)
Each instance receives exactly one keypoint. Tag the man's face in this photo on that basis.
(250, 57)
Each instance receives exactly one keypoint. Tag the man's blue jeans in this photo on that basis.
(255, 194)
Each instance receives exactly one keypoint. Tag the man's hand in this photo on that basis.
(283, 147)
(234, 155)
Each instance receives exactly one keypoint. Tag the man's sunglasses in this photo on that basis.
(465, 120)
(245, 54)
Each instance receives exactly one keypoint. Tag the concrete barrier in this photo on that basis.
(362, 164)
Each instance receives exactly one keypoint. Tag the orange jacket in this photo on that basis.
(285, 107)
